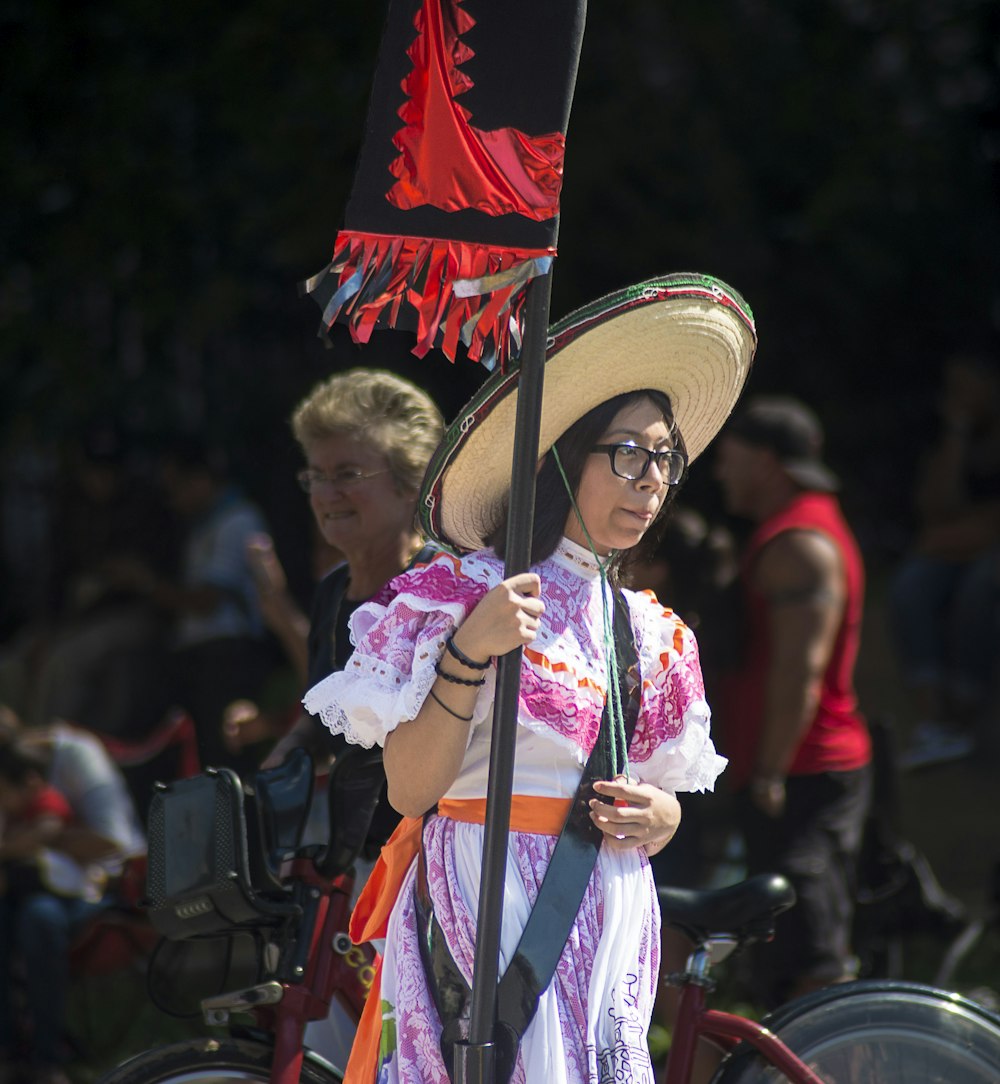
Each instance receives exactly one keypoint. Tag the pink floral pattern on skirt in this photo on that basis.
(416, 1058)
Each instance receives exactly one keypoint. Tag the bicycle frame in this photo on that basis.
(334, 967)
(337, 968)
(695, 1021)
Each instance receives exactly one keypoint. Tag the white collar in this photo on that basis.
(577, 558)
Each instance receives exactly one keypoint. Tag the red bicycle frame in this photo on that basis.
(336, 968)
(695, 1021)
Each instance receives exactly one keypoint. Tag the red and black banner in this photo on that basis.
(455, 203)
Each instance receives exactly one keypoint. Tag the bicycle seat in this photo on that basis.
(745, 911)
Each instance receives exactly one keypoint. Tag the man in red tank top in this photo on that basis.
(799, 748)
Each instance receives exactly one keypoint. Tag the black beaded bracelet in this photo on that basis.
(457, 653)
(451, 711)
(457, 680)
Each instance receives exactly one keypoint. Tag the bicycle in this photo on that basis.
(865, 1032)
(224, 860)
(858, 1033)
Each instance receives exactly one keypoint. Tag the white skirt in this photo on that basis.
(592, 1020)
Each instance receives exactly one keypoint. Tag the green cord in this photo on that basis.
(610, 653)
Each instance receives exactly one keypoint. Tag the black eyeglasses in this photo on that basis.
(632, 462)
(311, 481)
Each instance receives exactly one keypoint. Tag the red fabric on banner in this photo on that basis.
(425, 273)
(447, 163)
(448, 223)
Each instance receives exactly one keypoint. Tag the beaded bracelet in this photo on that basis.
(457, 653)
(457, 680)
(451, 711)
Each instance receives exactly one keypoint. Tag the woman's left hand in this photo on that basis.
(642, 815)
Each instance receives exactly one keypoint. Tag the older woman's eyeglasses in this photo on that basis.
(631, 462)
(314, 481)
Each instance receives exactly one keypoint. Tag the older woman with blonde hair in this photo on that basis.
(367, 436)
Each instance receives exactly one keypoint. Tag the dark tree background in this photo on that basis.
(171, 172)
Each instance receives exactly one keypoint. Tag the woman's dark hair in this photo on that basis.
(552, 503)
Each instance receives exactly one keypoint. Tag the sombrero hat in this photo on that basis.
(688, 335)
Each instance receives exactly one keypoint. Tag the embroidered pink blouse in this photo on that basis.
(399, 637)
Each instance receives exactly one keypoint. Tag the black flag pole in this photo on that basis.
(450, 233)
(475, 1059)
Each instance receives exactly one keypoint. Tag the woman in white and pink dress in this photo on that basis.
(635, 385)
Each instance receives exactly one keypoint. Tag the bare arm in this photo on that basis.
(424, 755)
(136, 575)
(306, 733)
(27, 840)
(291, 626)
(80, 843)
(84, 844)
(281, 612)
(801, 578)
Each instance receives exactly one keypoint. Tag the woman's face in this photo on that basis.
(354, 496)
(618, 512)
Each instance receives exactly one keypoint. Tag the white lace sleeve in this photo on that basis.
(672, 746)
(396, 645)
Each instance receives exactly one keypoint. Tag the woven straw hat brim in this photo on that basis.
(690, 336)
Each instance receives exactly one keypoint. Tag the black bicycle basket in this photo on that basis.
(209, 870)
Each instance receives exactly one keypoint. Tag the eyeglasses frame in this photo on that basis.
(347, 480)
(671, 454)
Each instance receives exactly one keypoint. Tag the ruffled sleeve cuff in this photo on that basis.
(397, 642)
(672, 747)
(688, 762)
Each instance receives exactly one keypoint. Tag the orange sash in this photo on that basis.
(370, 918)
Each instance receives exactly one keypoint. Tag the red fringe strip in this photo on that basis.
(401, 281)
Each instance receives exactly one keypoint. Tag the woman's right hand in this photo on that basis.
(505, 618)
(423, 758)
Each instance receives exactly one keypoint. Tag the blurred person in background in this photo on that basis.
(99, 834)
(367, 436)
(945, 597)
(799, 749)
(95, 652)
(693, 564)
(219, 649)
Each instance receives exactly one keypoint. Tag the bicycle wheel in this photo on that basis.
(889, 1032)
(213, 1061)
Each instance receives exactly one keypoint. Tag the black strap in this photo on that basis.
(559, 896)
